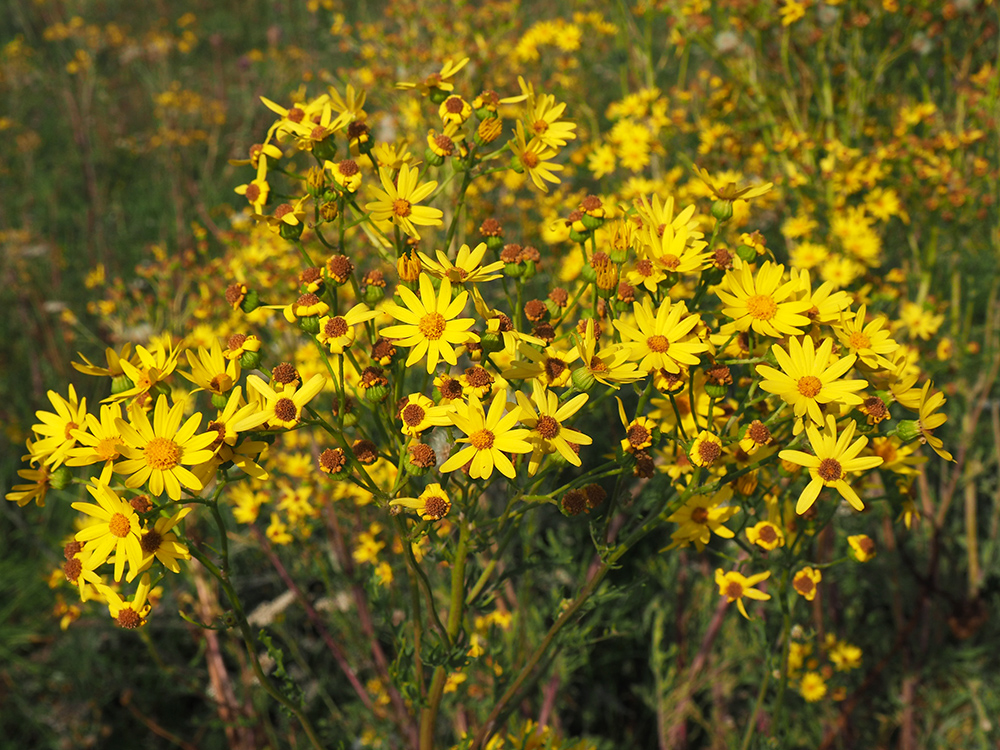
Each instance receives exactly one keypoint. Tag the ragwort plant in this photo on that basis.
(428, 399)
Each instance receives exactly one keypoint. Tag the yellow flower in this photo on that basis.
(282, 409)
(548, 433)
(490, 436)
(609, 366)
(155, 365)
(210, 371)
(701, 516)
(156, 453)
(161, 543)
(929, 421)
(56, 430)
(131, 614)
(432, 505)
(807, 379)
(869, 342)
(101, 441)
(813, 686)
(429, 324)
(534, 157)
(763, 303)
(117, 530)
(466, 269)
(639, 432)
(40, 482)
(735, 586)
(542, 118)
(396, 201)
(706, 449)
(114, 368)
(833, 460)
(454, 110)
(862, 547)
(728, 191)
(804, 582)
(440, 81)
(551, 367)
(418, 413)
(765, 535)
(337, 333)
(664, 338)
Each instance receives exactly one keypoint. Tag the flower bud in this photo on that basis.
(583, 379)
(722, 210)
(747, 254)
(908, 430)
(325, 149)
(61, 478)
(120, 383)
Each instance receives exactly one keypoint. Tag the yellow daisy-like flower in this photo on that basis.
(210, 370)
(729, 191)
(161, 543)
(869, 342)
(609, 366)
(664, 338)
(40, 481)
(735, 587)
(490, 436)
(542, 117)
(639, 432)
(701, 516)
(812, 686)
(534, 158)
(833, 460)
(117, 530)
(282, 409)
(862, 547)
(804, 582)
(131, 614)
(440, 81)
(114, 368)
(337, 333)
(808, 379)
(706, 449)
(155, 365)
(766, 535)
(466, 269)
(454, 110)
(418, 413)
(429, 325)
(929, 421)
(56, 429)
(157, 453)
(432, 505)
(551, 366)
(100, 442)
(548, 433)
(396, 201)
(762, 302)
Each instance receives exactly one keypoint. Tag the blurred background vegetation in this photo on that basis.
(116, 130)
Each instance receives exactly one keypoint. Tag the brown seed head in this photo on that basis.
(285, 373)
(422, 456)
(535, 310)
(491, 228)
(574, 502)
(339, 267)
(365, 451)
(332, 460)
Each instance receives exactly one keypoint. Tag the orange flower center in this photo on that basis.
(670, 261)
(539, 127)
(70, 426)
(809, 386)
(767, 535)
(658, 343)
(859, 340)
(638, 436)
(401, 207)
(734, 589)
(151, 541)
(530, 159)
(547, 426)
(804, 584)
(699, 515)
(432, 325)
(830, 470)
(709, 451)
(762, 306)
(436, 507)
(413, 414)
(644, 268)
(335, 327)
(285, 410)
(119, 525)
(162, 453)
(482, 440)
(108, 448)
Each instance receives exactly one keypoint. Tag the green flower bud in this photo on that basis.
(373, 294)
(434, 159)
(325, 149)
(61, 478)
(291, 232)
(722, 210)
(250, 302)
(583, 379)
(908, 430)
(746, 253)
(309, 324)
(249, 361)
(219, 400)
(120, 383)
